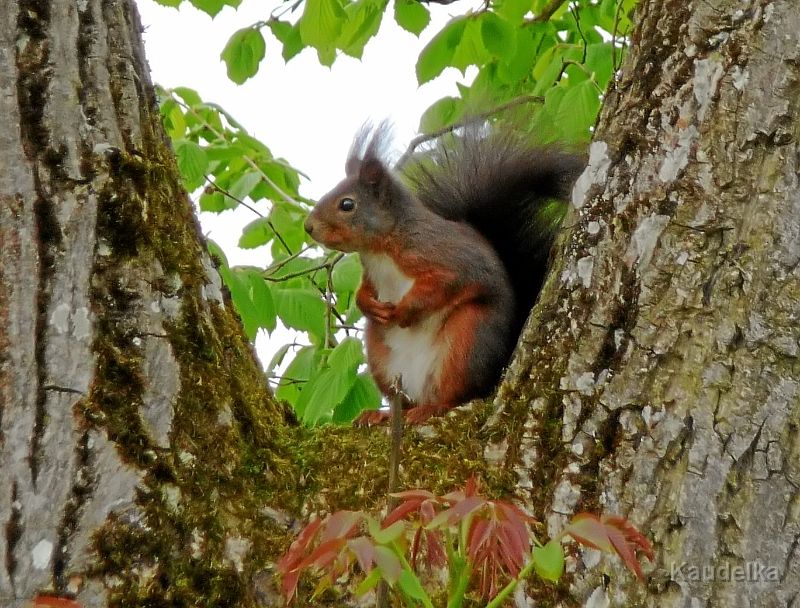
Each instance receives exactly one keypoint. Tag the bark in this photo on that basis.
(143, 462)
(658, 378)
(138, 444)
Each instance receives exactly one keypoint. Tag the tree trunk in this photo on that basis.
(659, 376)
(143, 462)
(138, 442)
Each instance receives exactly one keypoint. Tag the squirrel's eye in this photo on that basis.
(347, 204)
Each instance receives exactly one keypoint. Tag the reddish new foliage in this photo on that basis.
(51, 601)
(611, 534)
(493, 535)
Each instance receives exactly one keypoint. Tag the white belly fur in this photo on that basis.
(415, 354)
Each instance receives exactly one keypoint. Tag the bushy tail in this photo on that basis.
(512, 192)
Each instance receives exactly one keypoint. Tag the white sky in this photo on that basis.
(305, 112)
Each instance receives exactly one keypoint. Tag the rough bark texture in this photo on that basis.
(659, 377)
(138, 444)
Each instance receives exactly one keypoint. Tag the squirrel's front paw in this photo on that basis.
(372, 418)
(380, 312)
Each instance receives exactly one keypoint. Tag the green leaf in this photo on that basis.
(499, 38)
(289, 225)
(281, 179)
(242, 187)
(369, 583)
(297, 373)
(470, 49)
(301, 309)
(363, 21)
(256, 233)
(599, 61)
(170, 3)
(548, 561)
(192, 162)
(347, 274)
(513, 10)
(518, 66)
(261, 295)
(288, 35)
(388, 563)
(243, 53)
(363, 395)
(238, 283)
(411, 16)
(277, 358)
(211, 7)
(321, 23)
(547, 70)
(215, 202)
(411, 587)
(439, 115)
(172, 116)
(438, 53)
(387, 535)
(190, 96)
(326, 55)
(347, 355)
(324, 391)
(578, 111)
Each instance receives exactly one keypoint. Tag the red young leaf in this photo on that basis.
(510, 549)
(472, 486)
(51, 601)
(389, 564)
(418, 494)
(611, 534)
(632, 535)
(457, 512)
(341, 524)
(415, 543)
(514, 514)
(626, 539)
(299, 547)
(401, 510)
(323, 555)
(435, 553)
(478, 536)
(427, 511)
(289, 584)
(364, 550)
(588, 530)
(625, 551)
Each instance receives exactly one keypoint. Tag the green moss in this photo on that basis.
(230, 450)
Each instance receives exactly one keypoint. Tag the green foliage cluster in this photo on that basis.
(543, 64)
(310, 291)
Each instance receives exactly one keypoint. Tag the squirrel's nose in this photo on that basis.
(309, 226)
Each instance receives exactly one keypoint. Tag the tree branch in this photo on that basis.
(426, 137)
(547, 12)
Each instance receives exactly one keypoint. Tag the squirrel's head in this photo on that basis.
(365, 207)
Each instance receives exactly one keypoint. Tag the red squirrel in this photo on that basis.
(454, 252)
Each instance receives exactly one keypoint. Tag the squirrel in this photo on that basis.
(454, 247)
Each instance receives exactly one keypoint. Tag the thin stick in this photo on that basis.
(397, 403)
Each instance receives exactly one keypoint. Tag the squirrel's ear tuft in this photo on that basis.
(370, 146)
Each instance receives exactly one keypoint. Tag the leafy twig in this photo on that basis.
(247, 159)
(473, 119)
